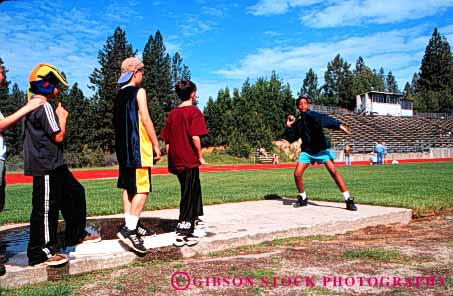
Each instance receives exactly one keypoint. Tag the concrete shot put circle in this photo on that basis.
(229, 225)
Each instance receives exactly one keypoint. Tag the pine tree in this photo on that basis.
(338, 83)
(391, 84)
(364, 80)
(414, 84)
(158, 80)
(381, 80)
(434, 84)
(176, 68)
(185, 74)
(79, 126)
(310, 86)
(104, 83)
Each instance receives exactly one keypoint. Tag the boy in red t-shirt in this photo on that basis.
(181, 133)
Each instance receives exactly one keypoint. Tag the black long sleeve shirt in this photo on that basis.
(308, 127)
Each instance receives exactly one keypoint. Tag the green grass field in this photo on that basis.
(424, 187)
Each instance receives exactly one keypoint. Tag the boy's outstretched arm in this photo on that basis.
(16, 116)
(345, 129)
(147, 122)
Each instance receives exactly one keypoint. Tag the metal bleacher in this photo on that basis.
(401, 134)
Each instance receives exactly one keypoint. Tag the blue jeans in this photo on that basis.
(380, 157)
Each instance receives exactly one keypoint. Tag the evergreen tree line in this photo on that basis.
(242, 120)
(255, 116)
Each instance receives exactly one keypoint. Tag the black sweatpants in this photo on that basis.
(57, 191)
(191, 204)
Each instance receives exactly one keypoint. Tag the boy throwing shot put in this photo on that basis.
(315, 148)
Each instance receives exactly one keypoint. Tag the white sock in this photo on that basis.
(303, 195)
(346, 195)
(131, 221)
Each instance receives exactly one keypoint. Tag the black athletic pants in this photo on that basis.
(191, 205)
(57, 191)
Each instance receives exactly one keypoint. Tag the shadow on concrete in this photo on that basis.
(290, 202)
(15, 240)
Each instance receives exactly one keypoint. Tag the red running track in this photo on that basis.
(113, 173)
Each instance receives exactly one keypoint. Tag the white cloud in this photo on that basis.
(397, 50)
(69, 39)
(272, 7)
(355, 12)
(193, 25)
(335, 13)
(212, 11)
(272, 34)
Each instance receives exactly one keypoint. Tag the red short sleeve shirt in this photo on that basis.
(181, 125)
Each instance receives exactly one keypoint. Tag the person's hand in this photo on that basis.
(345, 129)
(202, 160)
(35, 102)
(61, 112)
(157, 154)
(290, 120)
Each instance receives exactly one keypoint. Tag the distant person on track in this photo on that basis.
(54, 187)
(380, 149)
(137, 147)
(347, 155)
(315, 148)
(181, 133)
(373, 159)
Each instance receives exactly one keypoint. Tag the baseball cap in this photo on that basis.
(128, 67)
(43, 79)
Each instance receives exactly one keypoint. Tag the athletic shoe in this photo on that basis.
(132, 239)
(184, 227)
(300, 203)
(186, 239)
(143, 231)
(91, 238)
(55, 260)
(350, 204)
(200, 224)
(2, 269)
(200, 232)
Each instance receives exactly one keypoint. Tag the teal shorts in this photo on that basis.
(320, 157)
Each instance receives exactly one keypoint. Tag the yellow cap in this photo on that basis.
(44, 72)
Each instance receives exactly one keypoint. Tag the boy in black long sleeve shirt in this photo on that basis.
(314, 148)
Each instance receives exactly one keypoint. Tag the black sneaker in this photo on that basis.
(2, 269)
(186, 239)
(300, 202)
(132, 239)
(184, 227)
(200, 224)
(350, 204)
(143, 231)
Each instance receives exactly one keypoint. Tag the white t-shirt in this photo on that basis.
(2, 143)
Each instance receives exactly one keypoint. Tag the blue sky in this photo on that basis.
(224, 42)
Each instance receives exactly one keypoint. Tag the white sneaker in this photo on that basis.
(200, 232)
(186, 239)
(200, 224)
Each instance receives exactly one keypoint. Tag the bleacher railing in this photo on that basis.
(329, 109)
(445, 116)
(367, 148)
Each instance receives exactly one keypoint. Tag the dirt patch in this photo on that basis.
(414, 259)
